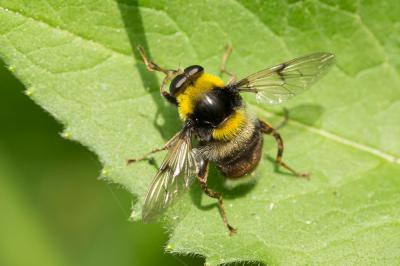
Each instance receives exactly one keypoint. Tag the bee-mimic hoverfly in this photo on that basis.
(228, 134)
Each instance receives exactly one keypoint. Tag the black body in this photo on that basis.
(212, 109)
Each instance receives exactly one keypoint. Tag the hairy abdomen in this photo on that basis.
(240, 155)
(245, 161)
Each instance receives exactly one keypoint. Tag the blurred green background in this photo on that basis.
(54, 210)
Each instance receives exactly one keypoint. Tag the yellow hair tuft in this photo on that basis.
(188, 98)
(230, 127)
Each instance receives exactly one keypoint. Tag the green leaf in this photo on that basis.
(78, 60)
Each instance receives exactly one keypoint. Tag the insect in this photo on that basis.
(228, 134)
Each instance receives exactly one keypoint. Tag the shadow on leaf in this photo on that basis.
(132, 19)
(216, 181)
(307, 114)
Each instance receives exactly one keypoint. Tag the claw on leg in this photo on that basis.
(146, 156)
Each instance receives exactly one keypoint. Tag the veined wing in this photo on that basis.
(279, 83)
(174, 177)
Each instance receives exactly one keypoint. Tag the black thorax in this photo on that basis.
(212, 109)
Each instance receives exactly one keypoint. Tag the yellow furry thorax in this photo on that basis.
(231, 126)
(203, 84)
(187, 99)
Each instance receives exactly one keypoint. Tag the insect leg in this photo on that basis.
(268, 129)
(285, 119)
(163, 148)
(202, 177)
(169, 74)
(144, 157)
(227, 53)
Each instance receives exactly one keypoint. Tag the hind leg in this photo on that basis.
(268, 129)
(202, 177)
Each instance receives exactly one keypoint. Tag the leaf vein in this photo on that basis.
(334, 137)
(84, 38)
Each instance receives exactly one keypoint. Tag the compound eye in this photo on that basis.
(193, 71)
(177, 84)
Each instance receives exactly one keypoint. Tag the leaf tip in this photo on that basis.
(29, 92)
(135, 215)
(11, 68)
(104, 172)
(66, 135)
(271, 206)
(169, 247)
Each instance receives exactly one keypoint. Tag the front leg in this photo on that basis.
(225, 57)
(169, 75)
(202, 177)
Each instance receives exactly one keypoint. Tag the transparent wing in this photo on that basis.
(281, 82)
(174, 177)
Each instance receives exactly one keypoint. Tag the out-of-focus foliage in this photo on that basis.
(53, 209)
